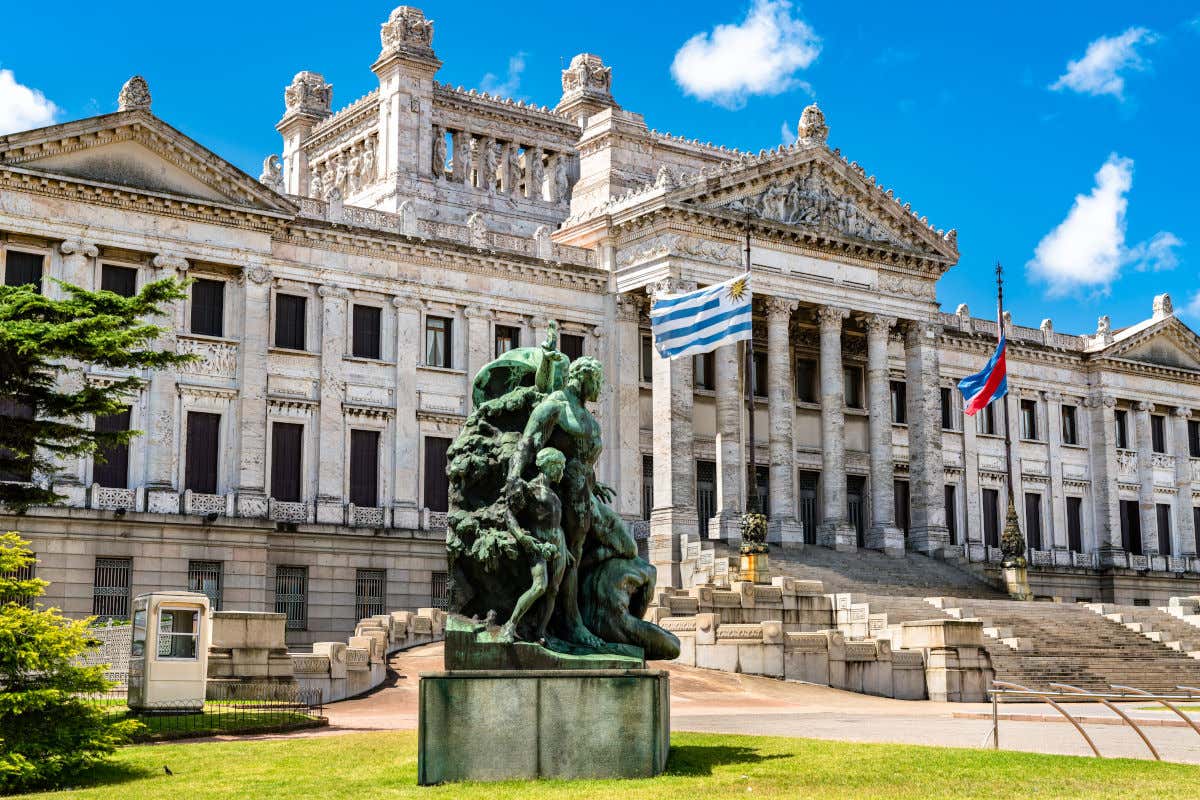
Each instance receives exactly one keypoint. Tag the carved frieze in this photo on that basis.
(665, 244)
(215, 359)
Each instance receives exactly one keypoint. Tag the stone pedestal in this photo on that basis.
(755, 567)
(1016, 581)
(786, 532)
(499, 725)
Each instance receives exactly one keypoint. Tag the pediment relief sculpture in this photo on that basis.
(665, 244)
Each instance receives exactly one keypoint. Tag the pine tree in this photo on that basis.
(48, 732)
(45, 399)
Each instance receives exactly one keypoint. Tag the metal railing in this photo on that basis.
(1064, 691)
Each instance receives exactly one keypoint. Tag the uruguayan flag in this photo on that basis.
(703, 320)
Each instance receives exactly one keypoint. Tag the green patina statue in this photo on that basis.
(533, 545)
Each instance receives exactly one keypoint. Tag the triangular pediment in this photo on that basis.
(135, 149)
(1163, 343)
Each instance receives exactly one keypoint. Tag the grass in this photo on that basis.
(709, 766)
(1164, 708)
(227, 717)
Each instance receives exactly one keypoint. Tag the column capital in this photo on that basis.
(169, 261)
(1183, 413)
(879, 323)
(1143, 406)
(629, 307)
(1052, 397)
(258, 273)
(407, 302)
(1100, 399)
(668, 286)
(78, 247)
(332, 292)
(919, 329)
(831, 316)
(476, 312)
(779, 306)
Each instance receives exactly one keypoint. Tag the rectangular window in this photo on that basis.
(760, 373)
(1070, 426)
(205, 577)
(203, 451)
(370, 592)
(853, 377)
(647, 486)
(118, 280)
(1131, 527)
(22, 574)
(1194, 438)
(702, 371)
(647, 359)
(291, 596)
(287, 450)
(437, 341)
(808, 505)
(439, 590)
(289, 321)
(364, 468)
(947, 407)
(1163, 512)
(806, 380)
(1158, 433)
(508, 337)
(706, 493)
(110, 588)
(437, 484)
(991, 517)
(368, 333)
(764, 488)
(987, 420)
(1075, 524)
(1122, 419)
(23, 268)
(899, 402)
(951, 513)
(111, 466)
(178, 633)
(1029, 428)
(15, 466)
(571, 345)
(903, 517)
(1033, 520)
(208, 307)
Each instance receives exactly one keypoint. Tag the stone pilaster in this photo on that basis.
(1145, 472)
(626, 380)
(540, 325)
(1057, 537)
(1185, 523)
(1105, 497)
(926, 475)
(77, 266)
(781, 407)
(331, 425)
(731, 471)
(883, 533)
(835, 530)
(479, 343)
(674, 513)
(405, 472)
(163, 448)
(253, 430)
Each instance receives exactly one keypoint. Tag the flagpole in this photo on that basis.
(752, 500)
(1011, 515)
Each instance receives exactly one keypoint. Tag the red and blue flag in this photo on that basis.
(990, 384)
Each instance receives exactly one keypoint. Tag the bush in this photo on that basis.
(48, 732)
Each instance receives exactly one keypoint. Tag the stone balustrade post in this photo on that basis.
(883, 533)
(835, 530)
(781, 408)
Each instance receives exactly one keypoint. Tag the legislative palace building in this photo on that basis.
(340, 304)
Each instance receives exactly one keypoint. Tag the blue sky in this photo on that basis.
(1058, 137)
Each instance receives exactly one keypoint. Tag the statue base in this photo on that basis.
(754, 567)
(1016, 582)
(500, 725)
(472, 645)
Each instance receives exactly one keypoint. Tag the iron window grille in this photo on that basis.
(439, 592)
(370, 591)
(291, 596)
(110, 588)
(205, 577)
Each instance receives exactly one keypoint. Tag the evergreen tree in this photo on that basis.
(48, 733)
(45, 399)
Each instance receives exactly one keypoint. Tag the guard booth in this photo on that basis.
(168, 659)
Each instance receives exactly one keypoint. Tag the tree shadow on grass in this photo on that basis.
(696, 759)
(110, 774)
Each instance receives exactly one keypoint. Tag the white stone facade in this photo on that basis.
(421, 201)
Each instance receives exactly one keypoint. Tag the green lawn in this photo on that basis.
(708, 766)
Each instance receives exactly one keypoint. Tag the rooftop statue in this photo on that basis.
(534, 549)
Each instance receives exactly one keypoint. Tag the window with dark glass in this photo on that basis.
(23, 268)
(1122, 419)
(508, 337)
(291, 596)
(437, 341)
(899, 391)
(647, 486)
(1196, 525)
(807, 483)
(571, 345)
(370, 592)
(15, 466)
(289, 321)
(991, 517)
(205, 577)
(1075, 524)
(1070, 426)
(1158, 433)
(901, 496)
(853, 376)
(703, 366)
(203, 443)
(110, 588)
(706, 494)
(764, 487)
(364, 468)
(1131, 527)
(287, 450)
(208, 307)
(1033, 520)
(111, 465)
(367, 332)
(647, 360)
(118, 280)
(1163, 512)
(439, 590)
(760, 373)
(987, 420)
(437, 484)
(951, 513)
(1194, 438)
(947, 408)
(806, 380)
(1029, 427)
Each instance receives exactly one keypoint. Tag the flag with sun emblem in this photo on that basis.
(703, 320)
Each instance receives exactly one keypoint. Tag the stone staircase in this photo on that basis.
(1155, 624)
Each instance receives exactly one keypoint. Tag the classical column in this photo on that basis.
(883, 533)
(1145, 472)
(480, 346)
(162, 448)
(625, 380)
(781, 409)
(76, 265)
(1185, 523)
(251, 497)
(926, 476)
(835, 530)
(731, 470)
(405, 472)
(674, 513)
(1058, 501)
(331, 425)
(1104, 470)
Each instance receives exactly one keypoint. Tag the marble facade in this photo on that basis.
(426, 201)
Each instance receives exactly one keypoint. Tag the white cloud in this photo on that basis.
(22, 108)
(761, 55)
(507, 87)
(1099, 71)
(1192, 309)
(1087, 250)
(786, 134)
